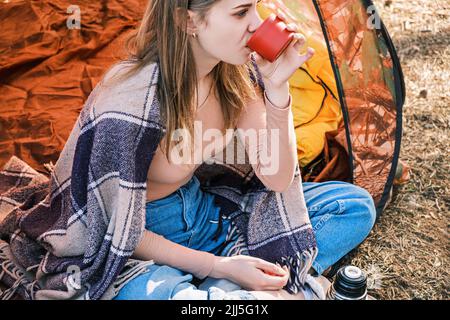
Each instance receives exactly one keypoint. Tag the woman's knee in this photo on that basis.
(366, 209)
(358, 205)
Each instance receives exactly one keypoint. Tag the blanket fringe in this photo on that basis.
(240, 244)
(133, 268)
(21, 282)
(299, 265)
(26, 289)
(50, 167)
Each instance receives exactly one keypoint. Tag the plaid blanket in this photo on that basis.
(71, 235)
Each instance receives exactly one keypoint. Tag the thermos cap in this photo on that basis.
(350, 283)
(352, 272)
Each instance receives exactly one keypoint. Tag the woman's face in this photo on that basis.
(227, 27)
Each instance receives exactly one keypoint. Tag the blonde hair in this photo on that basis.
(160, 39)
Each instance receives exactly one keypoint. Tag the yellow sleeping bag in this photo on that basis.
(314, 105)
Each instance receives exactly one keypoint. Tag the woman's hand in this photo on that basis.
(250, 273)
(277, 73)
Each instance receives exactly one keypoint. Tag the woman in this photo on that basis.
(203, 58)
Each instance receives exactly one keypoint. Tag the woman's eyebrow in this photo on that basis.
(245, 5)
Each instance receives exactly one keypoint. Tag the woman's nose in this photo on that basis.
(255, 22)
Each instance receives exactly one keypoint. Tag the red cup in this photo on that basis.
(271, 38)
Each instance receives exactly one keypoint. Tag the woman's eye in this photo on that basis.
(242, 13)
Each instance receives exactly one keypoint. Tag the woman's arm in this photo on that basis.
(165, 252)
(274, 153)
(249, 272)
(274, 158)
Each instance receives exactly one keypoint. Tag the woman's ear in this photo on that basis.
(188, 18)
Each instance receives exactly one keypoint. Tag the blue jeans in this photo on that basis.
(341, 214)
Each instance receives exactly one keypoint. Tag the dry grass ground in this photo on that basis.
(407, 253)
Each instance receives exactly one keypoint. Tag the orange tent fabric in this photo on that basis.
(48, 70)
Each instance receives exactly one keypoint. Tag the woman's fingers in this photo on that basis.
(292, 27)
(302, 58)
(310, 52)
(275, 282)
(298, 42)
(281, 15)
(272, 276)
(308, 55)
(270, 267)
